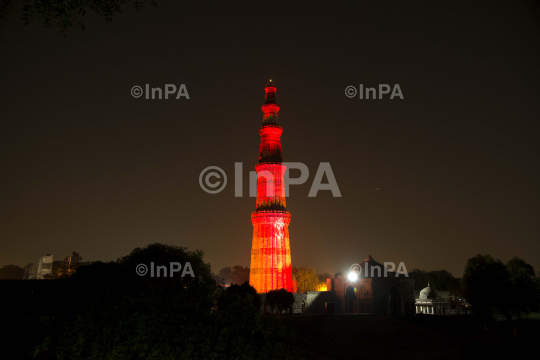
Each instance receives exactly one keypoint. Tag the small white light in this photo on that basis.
(353, 276)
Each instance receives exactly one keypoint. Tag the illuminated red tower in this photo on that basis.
(270, 250)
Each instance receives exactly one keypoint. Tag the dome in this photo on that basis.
(428, 293)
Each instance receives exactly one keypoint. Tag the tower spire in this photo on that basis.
(270, 252)
(270, 109)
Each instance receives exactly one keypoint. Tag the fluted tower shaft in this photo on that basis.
(270, 251)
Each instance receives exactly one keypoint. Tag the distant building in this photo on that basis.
(68, 266)
(28, 271)
(376, 291)
(430, 303)
(44, 267)
(74, 263)
(59, 268)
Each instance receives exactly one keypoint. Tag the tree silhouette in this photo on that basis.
(11, 272)
(235, 275)
(279, 299)
(440, 280)
(128, 316)
(523, 286)
(245, 292)
(486, 285)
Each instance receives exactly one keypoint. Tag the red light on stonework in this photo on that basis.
(271, 254)
(270, 109)
(271, 251)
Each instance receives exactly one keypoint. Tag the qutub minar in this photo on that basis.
(270, 252)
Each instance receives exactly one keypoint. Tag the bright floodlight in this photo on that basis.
(353, 276)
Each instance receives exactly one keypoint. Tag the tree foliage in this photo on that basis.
(279, 299)
(525, 294)
(65, 14)
(486, 286)
(491, 286)
(11, 272)
(122, 315)
(306, 278)
(440, 280)
(155, 325)
(235, 275)
(245, 292)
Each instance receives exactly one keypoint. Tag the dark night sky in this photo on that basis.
(86, 167)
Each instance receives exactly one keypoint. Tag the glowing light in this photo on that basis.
(270, 251)
(322, 287)
(353, 276)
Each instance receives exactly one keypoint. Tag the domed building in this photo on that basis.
(429, 303)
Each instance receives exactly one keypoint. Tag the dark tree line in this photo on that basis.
(237, 274)
(440, 280)
(493, 287)
(279, 300)
(489, 286)
(11, 272)
(109, 309)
